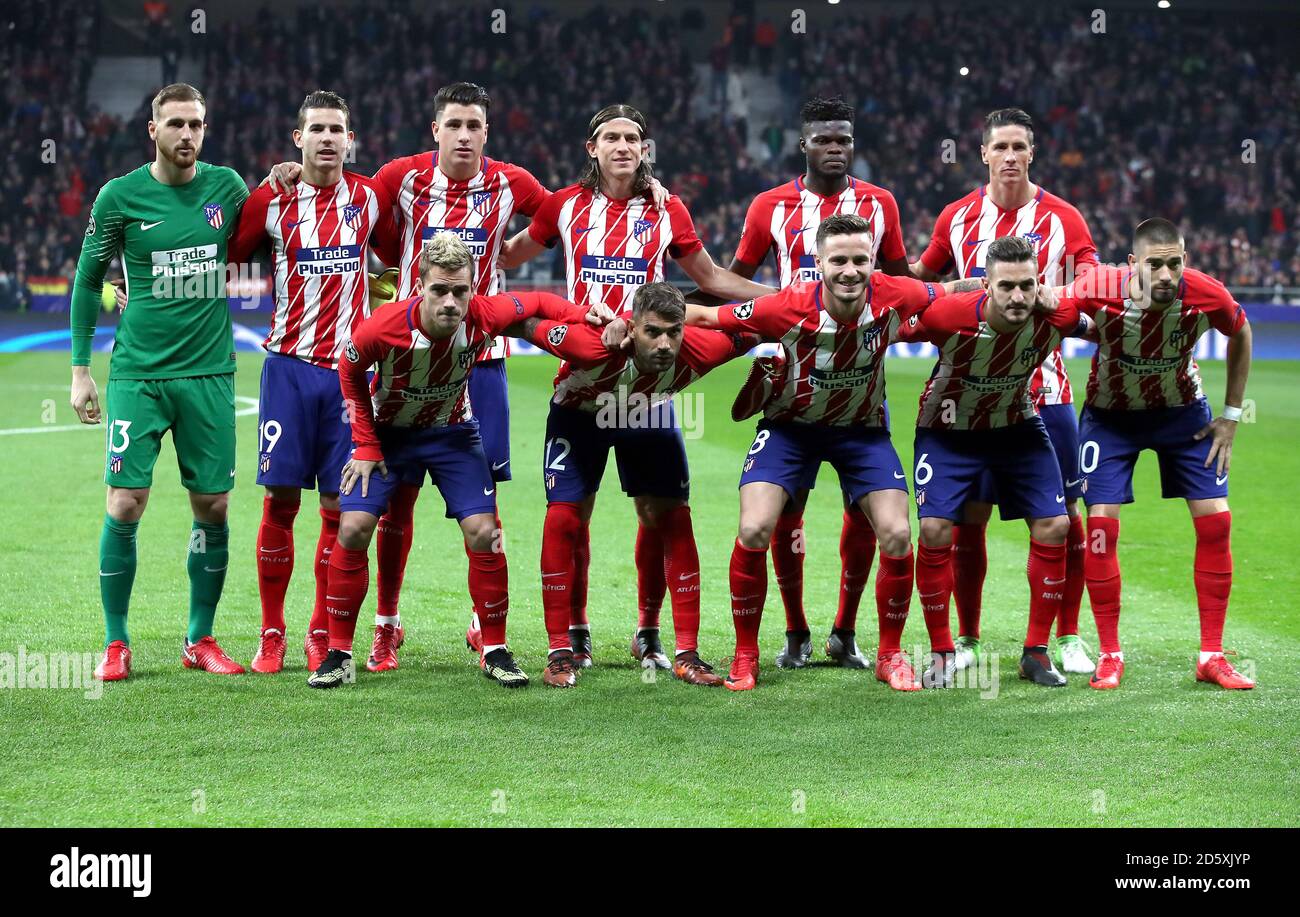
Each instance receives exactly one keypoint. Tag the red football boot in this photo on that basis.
(269, 658)
(116, 664)
(764, 382)
(1218, 670)
(209, 657)
(316, 646)
(383, 652)
(895, 670)
(1110, 669)
(744, 673)
(474, 636)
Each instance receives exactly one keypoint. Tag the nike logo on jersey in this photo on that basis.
(296, 223)
(581, 230)
(145, 227)
(899, 476)
(1060, 498)
(688, 575)
(217, 570)
(898, 604)
(545, 575)
(1074, 483)
(1053, 582)
(494, 604)
(795, 232)
(497, 466)
(976, 242)
(118, 573)
(1219, 482)
(488, 493)
(274, 550)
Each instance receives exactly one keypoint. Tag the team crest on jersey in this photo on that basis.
(465, 358)
(1029, 356)
(1177, 336)
(744, 310)
(115, 463)
(550, 482)
(1033, 237)
(920, 498)
(556, 334)
(871, 337)
(212, 213)
(749, 463)
(481, 201)
(264, 464)
(352, 216)
(641, 230)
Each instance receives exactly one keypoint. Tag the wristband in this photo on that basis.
(1231, 413)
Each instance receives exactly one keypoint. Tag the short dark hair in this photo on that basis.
(820, 109)
(842, 224)
(663, 299)
(1008, 250)
(177, 92)
(1157, 231)
(323, 98)
(1008, 117)
(461, 94)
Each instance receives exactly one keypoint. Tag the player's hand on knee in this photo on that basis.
(355, 471)
(1222, 430)
(85, 395)
(283, 176)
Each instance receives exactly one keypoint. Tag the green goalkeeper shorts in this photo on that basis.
(200, 413)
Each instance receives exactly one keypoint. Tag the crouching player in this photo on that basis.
(977, 416)
(421, 420)
(1145, 392)
(619, 400)
(834, 335)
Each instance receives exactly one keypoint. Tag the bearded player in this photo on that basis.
(784, 220)
(834, 335)
(614, 242)
(1144, 392)
(420, 420)
(318, 232)
(1010, 204)
(976, 417)
(172, 367)
(608, 400)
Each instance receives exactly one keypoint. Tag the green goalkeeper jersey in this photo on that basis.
(172, 241)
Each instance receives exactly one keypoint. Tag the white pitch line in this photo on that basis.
(242, 412)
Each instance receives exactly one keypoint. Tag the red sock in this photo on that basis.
(970, 562)
(893, 595)
(489, 590)
(581, 567)
(748, 593)
(349, 578)
(1076, 543)
(934, 586)
(787, 563)
(682, 570)
(1101, 573)
(1212, 571)
(329, 532)
(275, 558)
(392, 545)
(857, 547)
(560, 535)
(1046, 572)
(650, 583)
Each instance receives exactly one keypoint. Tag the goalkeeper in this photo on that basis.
(172, 365)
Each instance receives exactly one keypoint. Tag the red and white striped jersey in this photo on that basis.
(982, 377)
(420, 382)
(834, 373)
(611, 247)
(426, 201)
(1059, 235)
(593, 378)
(1144, 356)
(784, 221)
(318, 238)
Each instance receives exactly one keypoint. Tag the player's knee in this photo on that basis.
(329, 502)
(755, 533)
(355, 530)
(935, 532)
(127, 504)
(895, 540)
(1052, 530)
(480, 533)
(210, 508)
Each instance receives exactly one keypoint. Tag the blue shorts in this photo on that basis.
(489, 396)
(651, 459)
(303, 435)
(453, 458)
(949, 464)
(1111, 440)
(1063, 430)
(810, 479)
(789, 454)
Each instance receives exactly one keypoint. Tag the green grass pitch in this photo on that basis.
(435, 743)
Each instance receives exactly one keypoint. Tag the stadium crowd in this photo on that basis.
(1205, 131)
